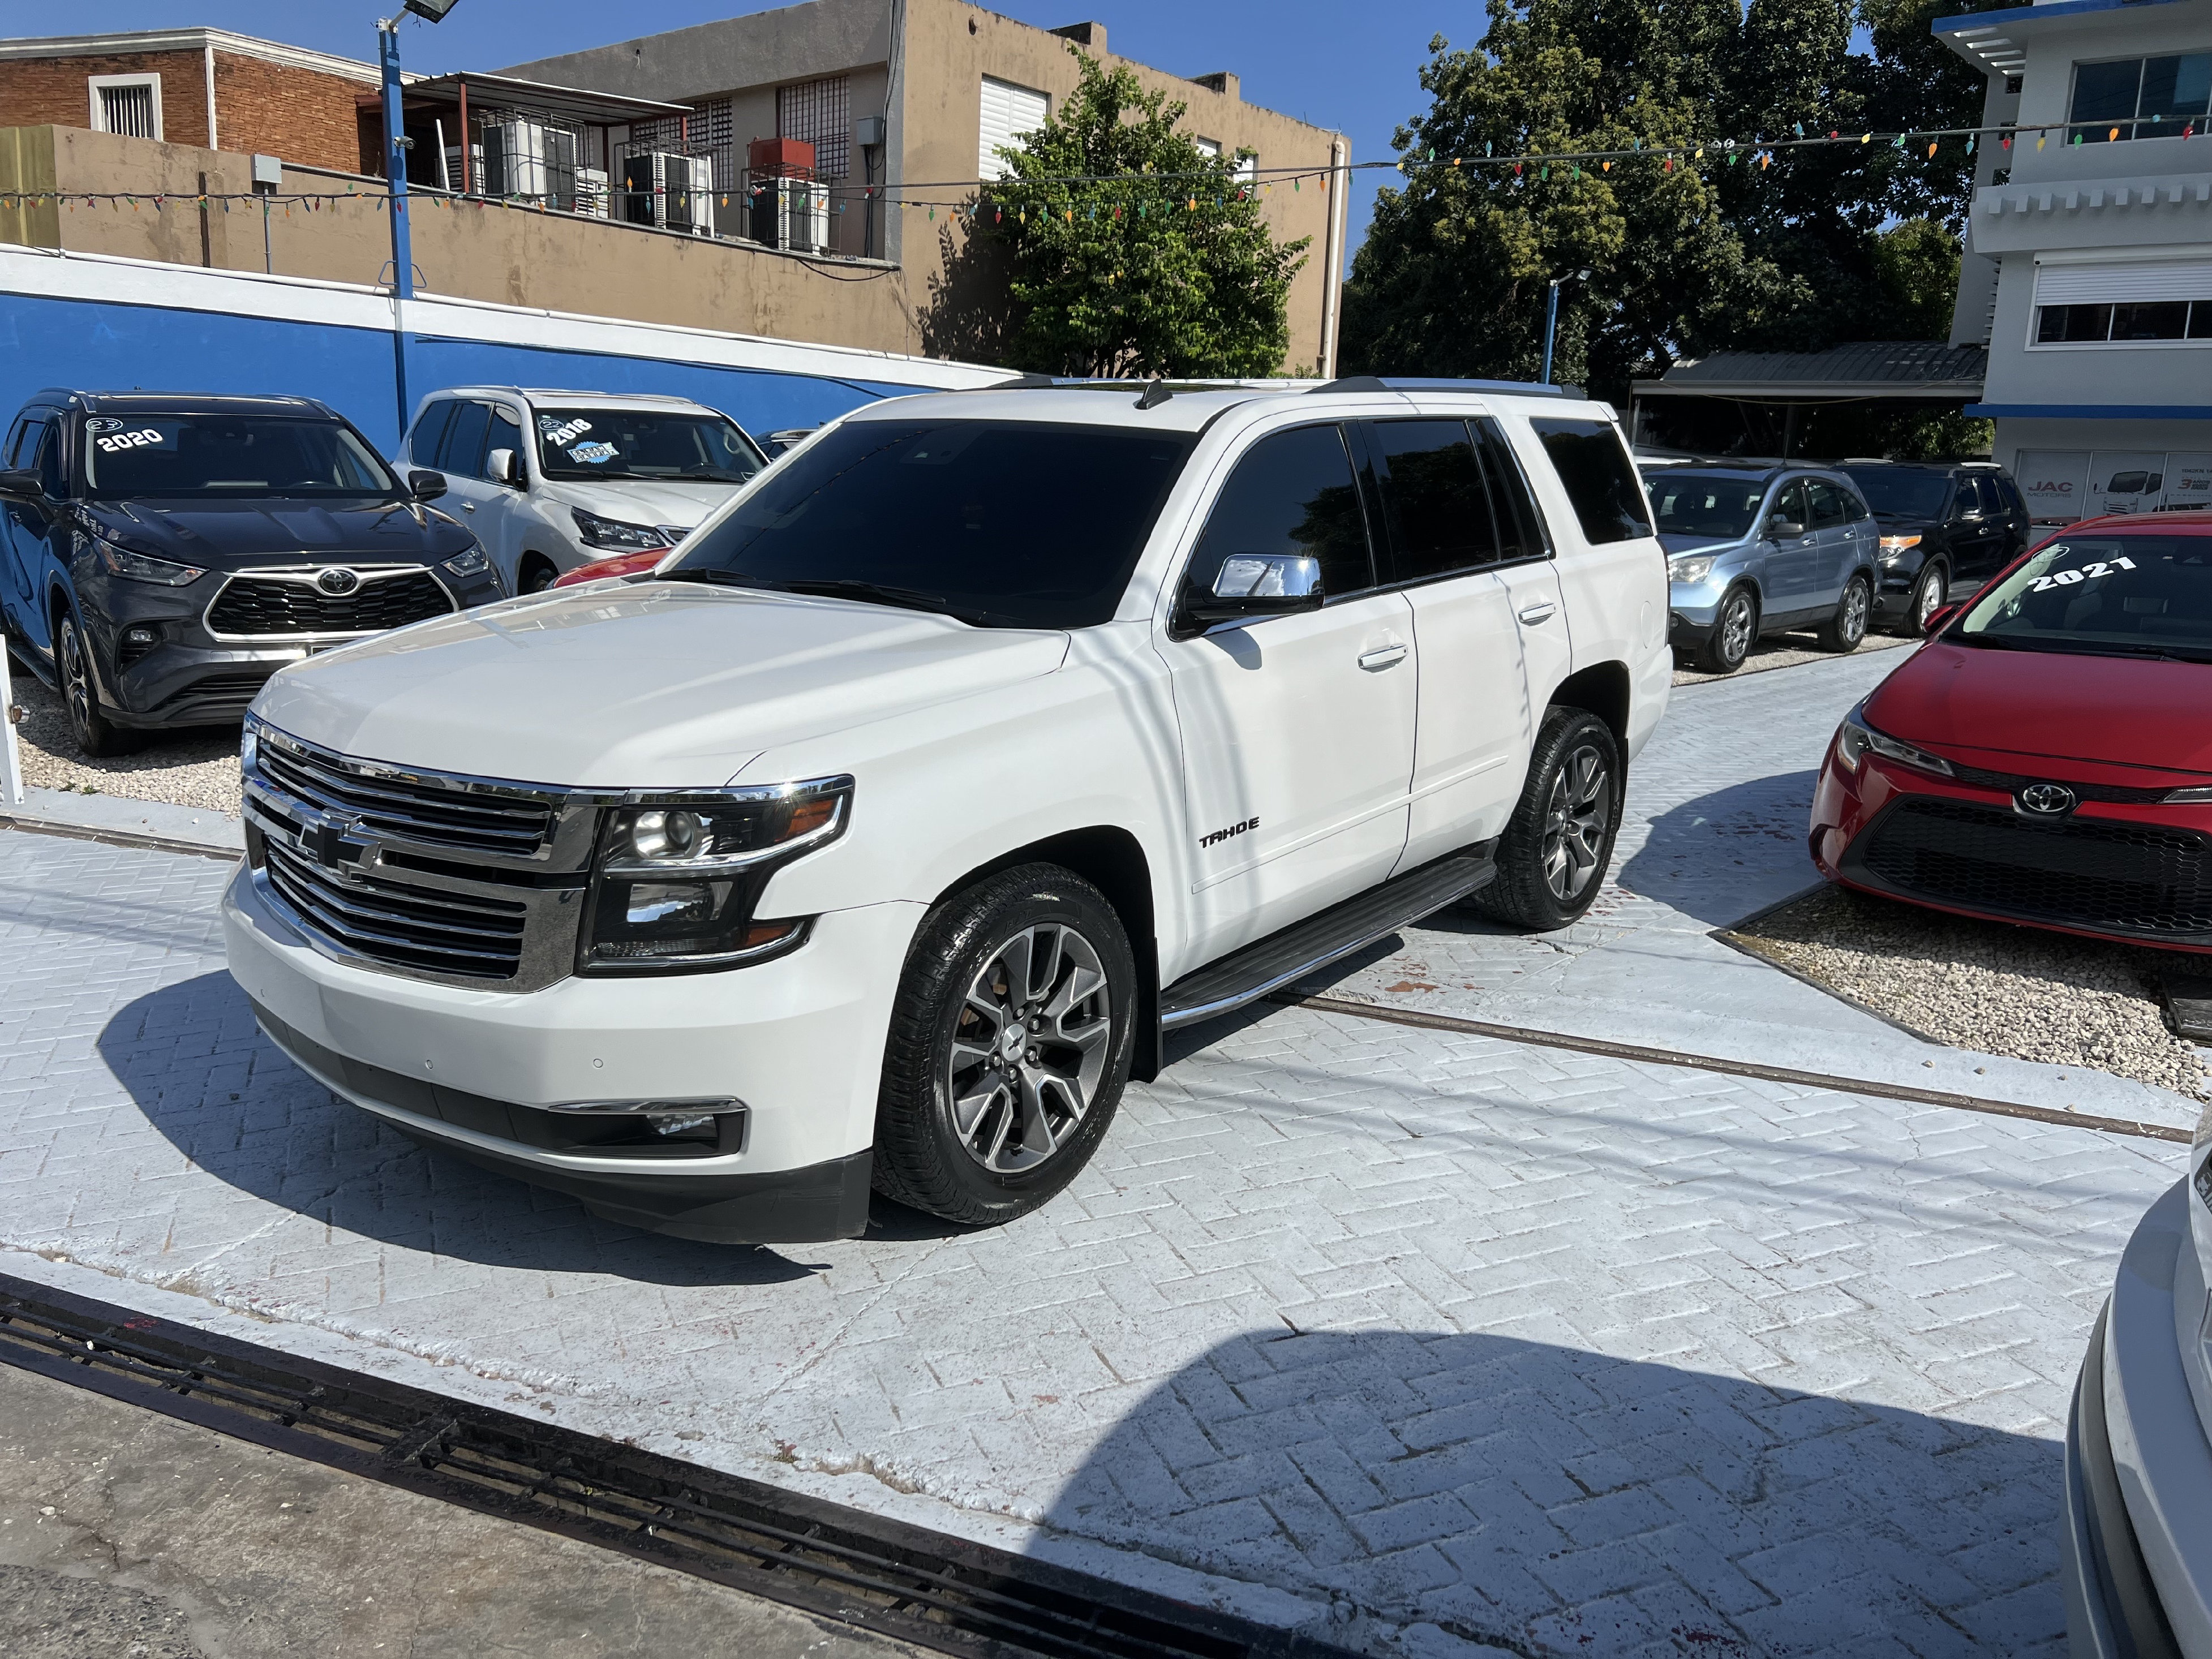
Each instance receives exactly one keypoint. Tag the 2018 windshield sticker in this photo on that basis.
(593, 454)
(558, 433)
(2089, 572)
(144, 438)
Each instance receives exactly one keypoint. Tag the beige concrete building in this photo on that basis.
(913, 97)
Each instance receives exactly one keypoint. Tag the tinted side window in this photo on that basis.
(1855, 508)
(1520, 522)
(1791, 506)
(2010, 492)
(1292, 493)
(24, 452)
(462, 452)
(505, 434)
(430, 432)
(1600, 481)
(1969, 501)
(53, 478)
(1434, 496)
(1827, 502)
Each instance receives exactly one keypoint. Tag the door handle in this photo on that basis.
(1542, 611)
(1386, 656)
(468, 507)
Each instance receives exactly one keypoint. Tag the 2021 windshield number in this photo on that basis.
(2067, 578)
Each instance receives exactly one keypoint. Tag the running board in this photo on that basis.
(1290, 954)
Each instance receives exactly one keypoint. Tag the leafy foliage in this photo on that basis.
(1777, 248)
(1182, 277)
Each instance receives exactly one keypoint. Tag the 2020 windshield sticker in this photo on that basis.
(145, 438)
(593, 454)
(559, 432)
(2088, 572)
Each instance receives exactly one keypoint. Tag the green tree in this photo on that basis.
(1915, 269)
(1173, 274)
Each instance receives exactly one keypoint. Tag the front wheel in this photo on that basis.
(1733, 630)
(1928, 596)
(1845, 630)
(1010, 1042)
(1557, 846)
(96, 734)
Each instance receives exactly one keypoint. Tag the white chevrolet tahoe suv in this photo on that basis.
(879, 835)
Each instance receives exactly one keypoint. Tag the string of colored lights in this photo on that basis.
(1019, 191)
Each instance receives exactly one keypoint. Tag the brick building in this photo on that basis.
(204, 87)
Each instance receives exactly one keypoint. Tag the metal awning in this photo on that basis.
(1918, 371)
(602, 109)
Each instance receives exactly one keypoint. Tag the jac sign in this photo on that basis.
(2063, 484)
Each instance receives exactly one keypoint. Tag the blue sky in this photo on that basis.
(1351, 64)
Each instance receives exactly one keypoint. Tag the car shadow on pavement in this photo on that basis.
(229, 1100)
(1542, 1499)
(1722, 856)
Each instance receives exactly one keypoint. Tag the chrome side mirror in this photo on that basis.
(505, 467)
(1257, 584)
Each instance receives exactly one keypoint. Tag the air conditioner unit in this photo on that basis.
(671, 191)
(792, 213)
(592, 192)
(527, 159)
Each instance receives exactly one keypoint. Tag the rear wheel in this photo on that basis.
(1845, 630)
(1553, 858)
(1733, 629)
(96, 734)
(1010, 1042)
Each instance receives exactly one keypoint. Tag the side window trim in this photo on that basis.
(1382, 533)
(1490, 433)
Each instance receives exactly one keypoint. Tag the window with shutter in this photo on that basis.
(1009, 114)
(130, 104)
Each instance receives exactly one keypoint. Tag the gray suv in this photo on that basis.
(1756, 548)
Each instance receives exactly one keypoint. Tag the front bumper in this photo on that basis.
(2135, 1545)
(799, 1041)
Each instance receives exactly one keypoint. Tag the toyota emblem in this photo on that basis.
(2046, 800)
(337, 582)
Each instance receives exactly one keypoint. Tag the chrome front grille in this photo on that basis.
(330, 603)
(465, 935)
(411, 807)
(465, 880)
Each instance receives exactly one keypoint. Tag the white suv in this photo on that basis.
(549, 481)
(878, 836)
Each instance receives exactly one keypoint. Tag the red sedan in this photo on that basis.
(2046, 757)
(622, 564)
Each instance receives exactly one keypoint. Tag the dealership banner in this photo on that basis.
(2065, 484)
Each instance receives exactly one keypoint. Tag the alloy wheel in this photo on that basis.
(1855, 613)
(1735, 626)
(1576, 822)
(1932, 592)
(76, 682)
(1030, 1049)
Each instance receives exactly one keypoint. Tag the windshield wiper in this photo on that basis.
(2061, 647)
(848, 587)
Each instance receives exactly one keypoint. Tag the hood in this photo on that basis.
(1907, 524)
(1677, 545)
(228, 535)
(2027, 705)
(643, 501)
(660, 685)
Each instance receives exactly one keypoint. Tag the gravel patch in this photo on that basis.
(198, 768)
(1786, 650)
(1988, 987)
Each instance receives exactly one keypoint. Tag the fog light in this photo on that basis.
(669, 1124)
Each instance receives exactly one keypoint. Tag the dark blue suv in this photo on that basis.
(163, 555)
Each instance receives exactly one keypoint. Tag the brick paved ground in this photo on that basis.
(1436, 1341)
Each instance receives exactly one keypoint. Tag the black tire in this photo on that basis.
(1843, 630)
(96, 735)
(923, 1157)
(1558, 844)
(537, 573)
(1928, 596)
(1735, 629)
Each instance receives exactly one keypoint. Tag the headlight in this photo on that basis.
(678, 875)
(2187, 797)
(1855, 737)
(137, 567)
(1894, 546)
(1691, 570)
(615, 535)
(471, 563)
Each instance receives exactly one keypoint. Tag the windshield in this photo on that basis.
(1895, 493)
(230, 455)
(1701, 504)
(1011, 524)
(2130, 595)
(625, 443)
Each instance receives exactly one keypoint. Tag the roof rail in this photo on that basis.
(1400, 383)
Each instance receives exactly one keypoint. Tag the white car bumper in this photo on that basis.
(2136, 1547)
(796, 1042)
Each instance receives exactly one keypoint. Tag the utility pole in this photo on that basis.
(395, 144)
(1551, 318)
